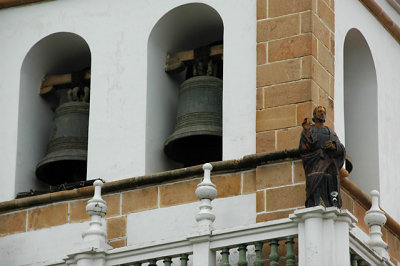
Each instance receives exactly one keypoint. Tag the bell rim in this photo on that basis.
(54, 157)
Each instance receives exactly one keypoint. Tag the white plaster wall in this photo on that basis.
(42, 246)
(117, 35)
(179, 221)
(386, 55)
(361, 111)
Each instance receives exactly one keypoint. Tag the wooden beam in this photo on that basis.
(52, 80)
(176, 62)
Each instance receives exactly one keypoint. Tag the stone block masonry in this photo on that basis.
(295, 68)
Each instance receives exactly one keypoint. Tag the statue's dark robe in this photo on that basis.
(321, 166)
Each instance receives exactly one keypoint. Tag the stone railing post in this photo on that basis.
(206, 192)
(92, 251)
(323, 236)
(375, 218)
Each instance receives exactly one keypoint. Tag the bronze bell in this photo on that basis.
(66, 156)
(197, 137)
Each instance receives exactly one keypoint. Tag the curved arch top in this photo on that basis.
(67, 47)
(187, 25)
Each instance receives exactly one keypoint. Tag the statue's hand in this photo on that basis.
(330, 145)
(306, 126)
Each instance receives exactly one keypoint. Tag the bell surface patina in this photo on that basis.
(197, 137)
(65, 160)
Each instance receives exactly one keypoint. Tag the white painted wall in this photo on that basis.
(117, 36)
(386, 56)
(42, 246)
(179, 221)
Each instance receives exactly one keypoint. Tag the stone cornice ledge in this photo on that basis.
(13, 3)
(383, 18)
(245, 163)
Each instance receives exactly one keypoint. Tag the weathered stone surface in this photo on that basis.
(13, 223)
(47, 216)
(286, 197)
(139, 200)
(273, 175)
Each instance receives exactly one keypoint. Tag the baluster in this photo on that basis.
(274, 256)
(242, 255)
(153, 262)
(184, 259)
(258, 247)
(353, 258)
(289, 251)
(225, 257)
(167, 261)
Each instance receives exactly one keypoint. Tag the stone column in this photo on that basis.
(323, 236)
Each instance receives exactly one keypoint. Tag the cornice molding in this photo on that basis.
(383, 18)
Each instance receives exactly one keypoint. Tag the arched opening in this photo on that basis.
(58, 53)
(361, 110)
(183, 28)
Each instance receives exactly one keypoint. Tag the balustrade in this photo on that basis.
(311, 236)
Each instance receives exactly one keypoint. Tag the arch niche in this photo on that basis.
(183, 28)
(361, 110)
(58, 53)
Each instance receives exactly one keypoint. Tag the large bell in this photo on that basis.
(66, 156)
(197, 137)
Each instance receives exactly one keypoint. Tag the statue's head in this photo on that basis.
(319, 114)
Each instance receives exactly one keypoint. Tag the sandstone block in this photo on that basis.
(273, 175)
(116, 227)
(249, 182)
(291, 47)
(260, 201)
(179, 193)
(261, 9)
(276, 118)
(286, 197)
(265, 141)
(320, 30)
(139, 200)
(278, 72)
(326, 14)
(288, 93)
(305, 18)
(279, 8)
(326, 58)
(261, 53)
(227, 185)
(47, 216)
(278, 28)
(289, 138)
(298, 172)
(12, 223)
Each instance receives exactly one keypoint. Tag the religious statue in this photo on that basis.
(323, 156)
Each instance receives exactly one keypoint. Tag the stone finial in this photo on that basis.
(375, 218)
(206, 192)
(96, 208)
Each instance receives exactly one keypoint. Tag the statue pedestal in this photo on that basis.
(323, 235)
